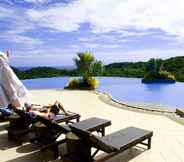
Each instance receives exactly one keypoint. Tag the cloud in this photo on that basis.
(16, 27)
(104, 40)
(5, 12)
(36, 1)
(91, 45)
(43, 56)
(109, 15)
(125, 33)
(137, 55)
(15, 38)
(115, 30)
(87, 39)
(55, 18)
(63, 57)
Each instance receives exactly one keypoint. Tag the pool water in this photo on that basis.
(128, 90)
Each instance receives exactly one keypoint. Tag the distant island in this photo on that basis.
(174, 65)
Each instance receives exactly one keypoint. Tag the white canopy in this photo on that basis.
(11, 88)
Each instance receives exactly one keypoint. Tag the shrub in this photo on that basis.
(166, 75)
(89, 83)
(92, 82)
(73, 84)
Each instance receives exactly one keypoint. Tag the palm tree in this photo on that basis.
(84, 63)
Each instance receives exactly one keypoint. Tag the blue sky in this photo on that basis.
(51, 32)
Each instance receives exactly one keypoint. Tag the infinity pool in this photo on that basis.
(128, 90)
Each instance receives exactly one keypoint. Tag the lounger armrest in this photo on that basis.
(52, 124)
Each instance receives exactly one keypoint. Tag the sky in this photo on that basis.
(52, 32)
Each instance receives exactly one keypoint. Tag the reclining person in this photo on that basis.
(51, 113)
(42, 133)
(30, 120)
(28, 117)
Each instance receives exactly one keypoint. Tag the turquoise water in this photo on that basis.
(129, 90)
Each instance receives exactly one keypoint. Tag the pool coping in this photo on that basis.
(108, 99)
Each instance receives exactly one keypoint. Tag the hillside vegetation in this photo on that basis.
(43, 72)
(156, 73)
(173, 65)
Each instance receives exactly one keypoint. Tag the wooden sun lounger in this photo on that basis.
(92, 124)
(16, 133)
(113, 143)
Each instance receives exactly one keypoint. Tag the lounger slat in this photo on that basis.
(126, 138)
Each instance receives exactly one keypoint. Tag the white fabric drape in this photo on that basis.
(11, 88)
(3, 98)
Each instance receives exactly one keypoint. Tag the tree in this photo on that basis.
(87, 65)
(154, 66)
(97, 68)
(156, 73)
(84, 63)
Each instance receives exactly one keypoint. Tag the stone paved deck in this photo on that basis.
(167, 142)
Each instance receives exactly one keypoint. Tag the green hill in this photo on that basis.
(42, 72)
(126, 69)
(173, 65)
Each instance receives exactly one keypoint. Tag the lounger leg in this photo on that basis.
(56, 151)
(149, 143)
(77, 120)
(103, 132)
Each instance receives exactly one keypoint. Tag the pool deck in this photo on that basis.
(167, 141)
